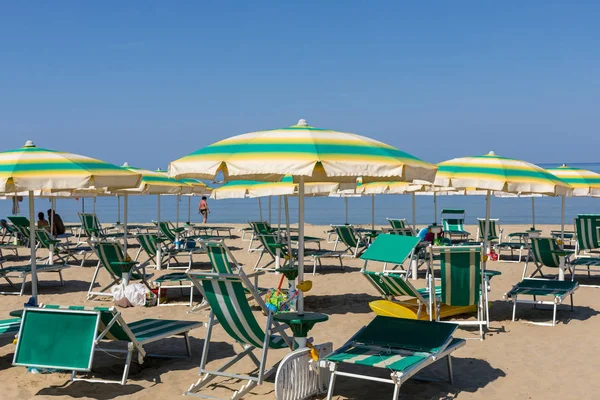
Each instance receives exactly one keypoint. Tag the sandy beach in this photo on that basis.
(515, 361)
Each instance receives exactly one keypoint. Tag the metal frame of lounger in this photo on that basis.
(587, 228)
(104, 251)
(10, 327)
(546, 252)
(541, 287)
(114, 328)
(478, 294)
(241, 325)
(22, 271)
(381, 354)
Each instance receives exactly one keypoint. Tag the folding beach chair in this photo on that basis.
(495, 232)
(229, 307)
(150, 243)
(170, 236)
(62, 250)
(90, 225)
(111, 258)
(9, 327)
(66, 338)
(401, 346)
(23, 271)
(587, 228)
(453, 221)
(462, 281)
(400, 227)
(393, 250)
(558, 290)
(355, 244)
(546, 252)
(278, 251)
(21, 225)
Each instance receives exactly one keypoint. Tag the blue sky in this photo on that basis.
(148, 82)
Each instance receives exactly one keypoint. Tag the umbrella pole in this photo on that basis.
(346, 204)
(118, 209)
(125, 232)
(158, 255)
(414, 213)
(287, 222)
(269, 209)
(51, 247)
(300, 305)
(83, 205)
(259, 209)
(487, 225)
(177, 217)
(94, 204)
(533, 211)
(372, 212)
(562, 221)
(189, 220)
(434, 208)
(34, 280)
(279, 215)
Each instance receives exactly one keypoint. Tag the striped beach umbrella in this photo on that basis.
(584, 182)
(307, 154)
(31, 168)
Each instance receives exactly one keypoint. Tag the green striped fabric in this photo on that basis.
(109, 253)
(397, 223)
(583, 181)
(45, 239)
(172, 277)
(169, 231)
(347, 235)
(461, 275)
(542, 250)
(228, 302)
(21, 224)
(217, 254)
(143, 330)
(543, 287)
(392, 285)
(260, 227)
(454, 225)
(10, 326)
(587, 227)
(148, 243)
(586, 261)
(271, 243)
(396, 360)
(26, 269)
(90, 224)
(492, 226)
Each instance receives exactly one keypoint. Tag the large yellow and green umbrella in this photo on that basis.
(584, 182)
(306, 153)
(31, 168)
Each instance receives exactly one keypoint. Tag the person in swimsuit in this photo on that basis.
(203, 209)
(42, 223)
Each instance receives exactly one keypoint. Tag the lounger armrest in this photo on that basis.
(53, 241)
(562, 253)
(123, 265)
(162, 239)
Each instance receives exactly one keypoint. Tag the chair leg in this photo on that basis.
(571, 295)
(514, 307)
(127, 363)
(331, 383)
(450, 373)
(554, 313)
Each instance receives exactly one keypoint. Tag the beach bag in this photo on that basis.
(119, 298)
(136, 294)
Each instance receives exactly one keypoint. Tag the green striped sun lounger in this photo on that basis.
(90, 225)
(402, 347)
(546, 252)
(229, 308)
(277, 250)
(453, 222)
(23, 271)
(62, 250)
(587, 228)
(355, 244)
(10, 327)
(111, 258)
(463, 283)
(150, 244)
(557, 290)
(399, 226)
(21, 225)
(66, 338)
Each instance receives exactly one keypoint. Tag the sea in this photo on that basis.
(322, 210)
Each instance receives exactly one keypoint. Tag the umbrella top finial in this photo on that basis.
(125, 164)
(491, 153)
(29, 143)
(564, 165)
(302, 122)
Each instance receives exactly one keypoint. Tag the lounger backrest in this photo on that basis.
(260, 227)
(406, 334)
(271, 243)
(453, 224)
(90, 224)
(148, 243)
(397, 223)
(542, 251)
(217, 254)
(228, 302)
(43, 237)
(166, 230)
(391, 285)
(346, 235)
(587, 227)
(21, 224)
(493, 228)
(108, 253)
(461, 274)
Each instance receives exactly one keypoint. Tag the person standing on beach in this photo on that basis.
(203, 209)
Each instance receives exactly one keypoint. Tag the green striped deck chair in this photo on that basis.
(90, 225)
(24, 271)
(495, 235)
(229, 307)
(277, 250)
(546, 252)
(402, 347)
(10, 327)
(150, 243)
(258, 228)
(587, 228)
(21, 225)
(355, 244)
(66, 338)
(9, 238)
(62, 249)
(557, 290)
(453, 222)
(400, 227)
(463, 283)
(111, 258)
